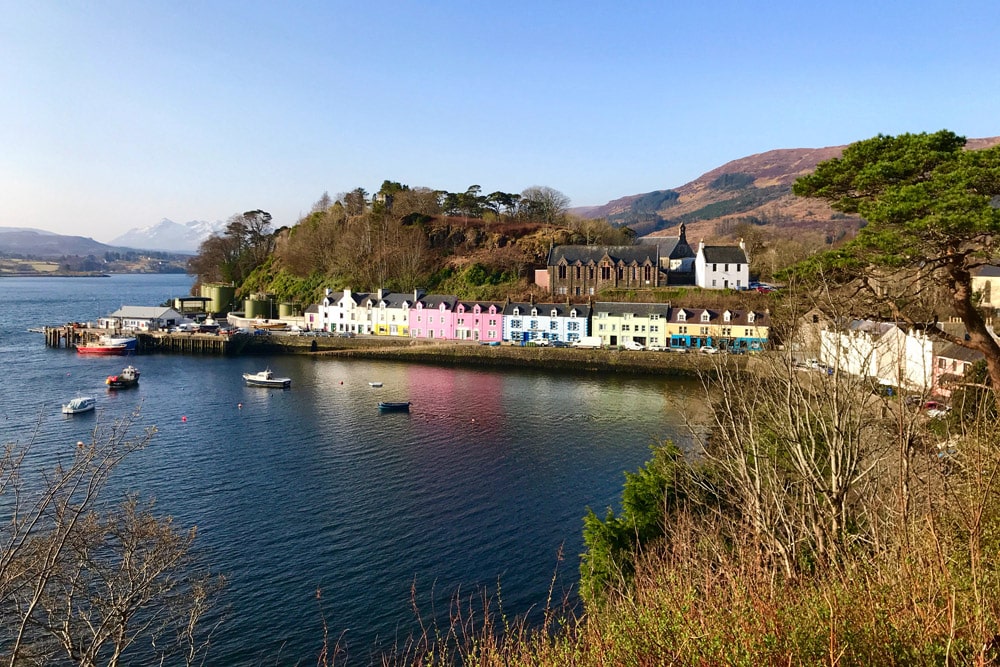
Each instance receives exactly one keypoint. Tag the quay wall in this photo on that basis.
(418, 351)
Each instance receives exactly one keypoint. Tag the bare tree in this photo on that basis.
(87, 580)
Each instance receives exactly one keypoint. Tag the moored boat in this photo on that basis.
(374, 384)
(129, 377)
(79, 404)
(394, 406)
(266, 378)
(109, 345)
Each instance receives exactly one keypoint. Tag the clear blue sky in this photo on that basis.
(115, 115)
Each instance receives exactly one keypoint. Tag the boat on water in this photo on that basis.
(266, 378)
(394, 406)
(79, 404)
(129, 377)
(109, 345)
(374, 384)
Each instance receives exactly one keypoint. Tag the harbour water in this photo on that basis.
(480, 486)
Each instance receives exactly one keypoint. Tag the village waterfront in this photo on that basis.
(481, 486)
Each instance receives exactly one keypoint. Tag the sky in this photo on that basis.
(116, 115)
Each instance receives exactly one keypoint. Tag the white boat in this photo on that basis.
(266, 378)
(374, 384)
(79, 404)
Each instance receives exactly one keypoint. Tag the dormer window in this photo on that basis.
(555, 313)
(705, 316)
(517, 311)
(534, 312)
(727, 316)
(682, 316)
(750, 316)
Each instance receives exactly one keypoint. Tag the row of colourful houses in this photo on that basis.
(446, 317)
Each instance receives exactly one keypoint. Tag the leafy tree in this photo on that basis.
(931, 221)
(614, 543)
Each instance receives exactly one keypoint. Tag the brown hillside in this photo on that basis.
(755, 189)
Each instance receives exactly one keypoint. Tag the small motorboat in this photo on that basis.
(394, 406)
(374, 384)
(266, 378)
(129, 377)
(79, 404)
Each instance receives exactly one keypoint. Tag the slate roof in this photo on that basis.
(725, 254)
(627, 254)
(639, 309)
(484, 306)
(959, 353)
(434, 301)
(545, 309)
(987, 272)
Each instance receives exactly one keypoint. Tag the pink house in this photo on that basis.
(433, 316)
(479, 321)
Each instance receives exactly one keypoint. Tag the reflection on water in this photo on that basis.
(484, 481)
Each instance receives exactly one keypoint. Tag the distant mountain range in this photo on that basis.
(165, 236)
(170, 236)
(755, 189)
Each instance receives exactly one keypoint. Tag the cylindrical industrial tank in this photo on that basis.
(258, 306)
(289, 309)
(222, 297)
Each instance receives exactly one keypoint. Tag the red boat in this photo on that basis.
(108, 345)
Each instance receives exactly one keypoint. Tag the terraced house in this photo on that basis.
(479, 321)
(545, 322)
(390, 312)
(731, 330)
(620, 323)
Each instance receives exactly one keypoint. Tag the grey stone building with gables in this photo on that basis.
(582, 271)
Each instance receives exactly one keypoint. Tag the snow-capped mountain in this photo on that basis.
(171, 236)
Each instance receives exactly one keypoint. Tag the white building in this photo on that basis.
(142, 318)
(883, 351)
(722, 267)
(343, 312)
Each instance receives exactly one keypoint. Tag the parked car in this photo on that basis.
(708, 349)
(655, 348)
(633, 345)
(558, 343)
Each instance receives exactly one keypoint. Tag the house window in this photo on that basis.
(515, 324)
(553, 325)
(715, 267)
(625, 327)
(572, 326)
(578, 273)
(562, 271)
(683, 330)
(727, 331)
(725, 267)
(703, 331)
(713, 282)
(534, 324)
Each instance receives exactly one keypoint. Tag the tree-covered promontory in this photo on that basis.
(468, 243)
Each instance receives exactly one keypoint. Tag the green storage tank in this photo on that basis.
(289, 309)
(222, 297)
(259, 306)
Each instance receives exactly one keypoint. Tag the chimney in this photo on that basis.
(381, 293)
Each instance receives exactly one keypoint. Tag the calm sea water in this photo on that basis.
(479, 487)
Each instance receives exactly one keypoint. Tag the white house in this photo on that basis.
(883, 351)
(342, 312)
(142, 318)
(722, 267)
